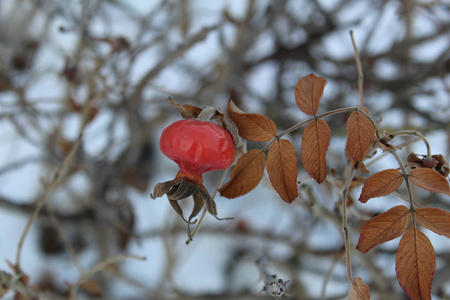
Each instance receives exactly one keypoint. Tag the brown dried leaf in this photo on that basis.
(358, 290)
(430, 180)
(186, 111)
(17, 270)
(282, 169)
(361, 167)
(19, 296)
(132, 176)
(381, 184)
(413, 158)
(442, 167)
(246, 174)
(308, 92)
(253, 127)
(384, 227)
(360, 135)
(435, 219)
(315, 142)
(3, 290)
(415, 264)
(64, 146)
(92, 287)
(92, 113)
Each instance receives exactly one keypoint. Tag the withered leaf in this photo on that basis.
(360, 135)
(415, 264)
(135, 177)
(283, 169)
(17, 270)
(246, 174)
(384, 227)
(430, 180)
(435, 219)
(19, 296)
(253, 127)
(358, 290)
(413, 158)
(381, 184)
(361, 167)
(308, 91)
(442, 167)
(91, 112)
(315, 142)
(187, 111)
(92, 287)
(3, 290)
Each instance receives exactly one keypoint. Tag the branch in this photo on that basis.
(14, 283)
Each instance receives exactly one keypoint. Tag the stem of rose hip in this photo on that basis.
(414, 133)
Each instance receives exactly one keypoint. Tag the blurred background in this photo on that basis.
(95, 77)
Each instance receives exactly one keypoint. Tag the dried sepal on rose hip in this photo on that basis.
(436, 162)
(197, 146)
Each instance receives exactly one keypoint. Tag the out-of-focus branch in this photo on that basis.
(14, 283)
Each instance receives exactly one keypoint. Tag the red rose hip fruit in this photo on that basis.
(197, 147)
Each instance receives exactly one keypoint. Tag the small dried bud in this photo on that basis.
(430, 163)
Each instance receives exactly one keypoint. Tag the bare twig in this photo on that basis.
(360, 73)
(18, 164)
(414, 133)
(99, 267)
(47, 191)
(350, 173)
(14, 283)
(65, 241)
(57, 177)
(328, 276)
